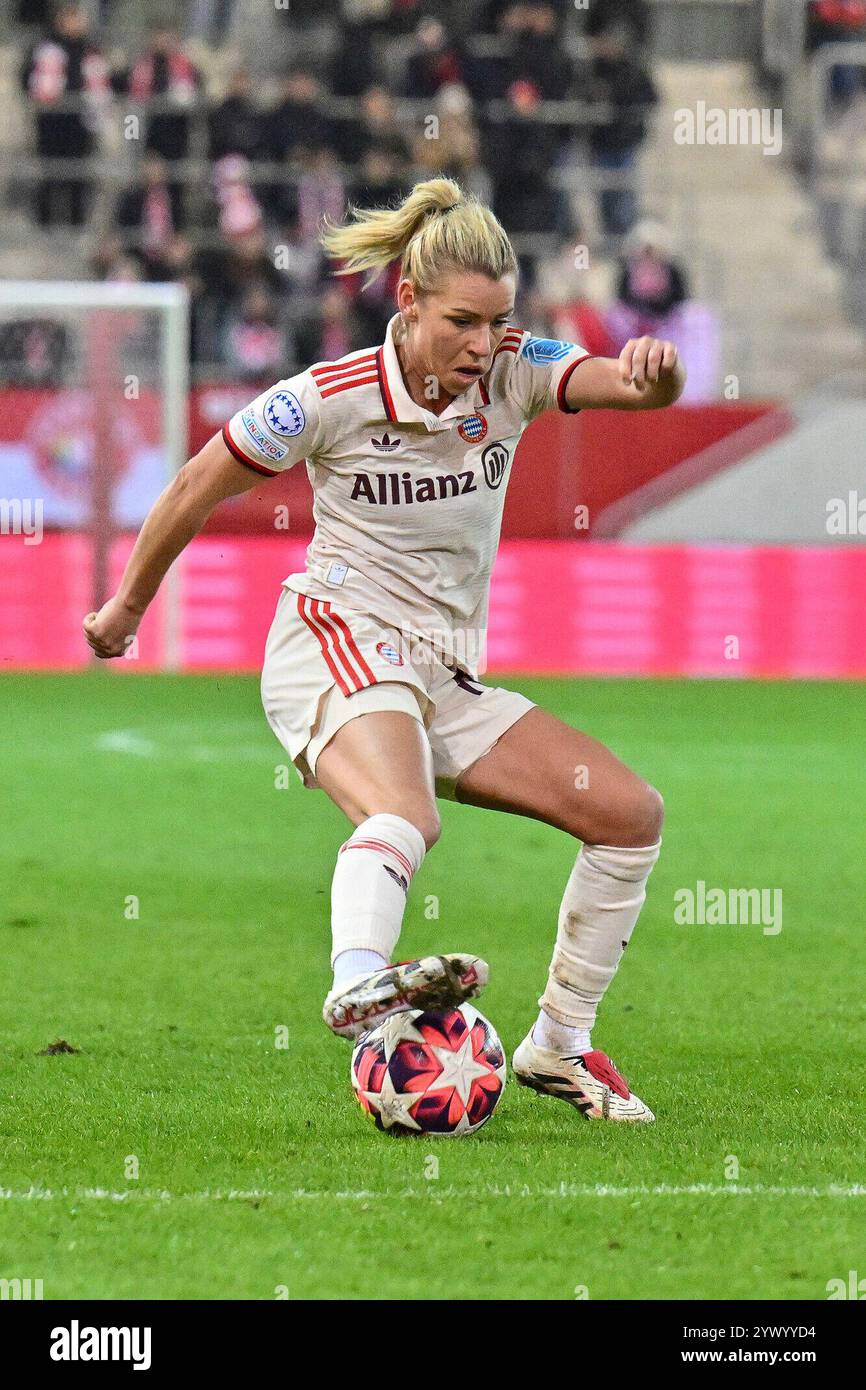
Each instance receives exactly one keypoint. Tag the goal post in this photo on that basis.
(94, 401)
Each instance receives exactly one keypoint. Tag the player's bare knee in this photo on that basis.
(649, 816)
(430, 826)
(631, 820)
(425, 820)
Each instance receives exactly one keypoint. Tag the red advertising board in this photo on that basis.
(557, 607)
(49, 441)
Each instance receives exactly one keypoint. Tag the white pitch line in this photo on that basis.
(135, 744)
(126, 741)
(430, 1189)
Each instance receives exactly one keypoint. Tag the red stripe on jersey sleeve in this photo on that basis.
(244, 458)
(336, 369)
(508, 344)
(347, 385)
(563, 382)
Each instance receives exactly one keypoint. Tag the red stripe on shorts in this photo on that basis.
(350, 642)
(331, 631)
(335, 671)
(327, 619)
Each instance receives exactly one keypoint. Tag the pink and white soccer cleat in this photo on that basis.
(434, 982)
(589, 1081)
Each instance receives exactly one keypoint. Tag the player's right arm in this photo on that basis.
(176, 516)
(271, 434)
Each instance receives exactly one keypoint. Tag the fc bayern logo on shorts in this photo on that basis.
(284, 413)
(472, 429)
(389, 653)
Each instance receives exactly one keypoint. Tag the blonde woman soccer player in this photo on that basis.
(370, 673)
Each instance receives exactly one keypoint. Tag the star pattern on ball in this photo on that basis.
(392, 1106)
(396, 1030)
(428, 1072)
(459, 1068)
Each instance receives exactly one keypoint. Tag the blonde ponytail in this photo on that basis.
(435, 228)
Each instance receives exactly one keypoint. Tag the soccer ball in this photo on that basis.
(438, 1072)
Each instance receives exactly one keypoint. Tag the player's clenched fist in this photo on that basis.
(648, 359)
(110, 631)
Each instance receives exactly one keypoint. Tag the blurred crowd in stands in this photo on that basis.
(406, 90)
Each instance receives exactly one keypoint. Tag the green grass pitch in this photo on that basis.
(182, 1154)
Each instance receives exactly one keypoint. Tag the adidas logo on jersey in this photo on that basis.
(394, 488)
(385, 444)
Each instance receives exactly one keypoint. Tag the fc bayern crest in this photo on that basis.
(472, 429)
(284, 414)
(389, 653)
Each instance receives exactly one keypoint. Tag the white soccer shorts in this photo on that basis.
(325, 665)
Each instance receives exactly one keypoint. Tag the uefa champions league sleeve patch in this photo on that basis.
(540, 352)
(284, 414)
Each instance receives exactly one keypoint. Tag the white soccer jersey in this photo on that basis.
(407, 504)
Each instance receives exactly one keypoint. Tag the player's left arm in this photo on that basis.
(647, 375)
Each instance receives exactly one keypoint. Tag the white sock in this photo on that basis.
(371, 881)
(559, 1037)
(602, 901)
(349, 965)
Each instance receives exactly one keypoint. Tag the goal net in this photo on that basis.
(94, 384)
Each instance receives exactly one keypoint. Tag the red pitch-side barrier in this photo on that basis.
(557, 607)
(591, 461)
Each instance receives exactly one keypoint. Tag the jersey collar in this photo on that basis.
(399, 405)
